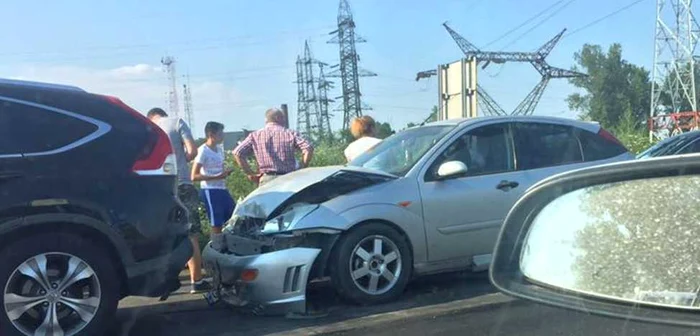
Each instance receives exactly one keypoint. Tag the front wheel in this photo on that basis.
(56, 284)
(371, 264)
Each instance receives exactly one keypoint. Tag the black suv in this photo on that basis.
(88, 209)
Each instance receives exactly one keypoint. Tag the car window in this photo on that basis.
(539, 145)
(596, 147)
(693, 147)
(398, 153)
(18, 118)
(484, 150)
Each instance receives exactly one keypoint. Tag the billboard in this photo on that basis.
(457, 89)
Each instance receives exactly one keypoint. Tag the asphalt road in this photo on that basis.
(511, 318)
(522, 319)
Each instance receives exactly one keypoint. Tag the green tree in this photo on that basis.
(613, 87)
(640, 234)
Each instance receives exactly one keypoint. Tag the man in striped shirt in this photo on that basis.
(274, 147)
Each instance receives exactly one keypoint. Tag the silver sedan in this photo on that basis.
(429, 199)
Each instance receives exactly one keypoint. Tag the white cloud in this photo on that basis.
(144, 86)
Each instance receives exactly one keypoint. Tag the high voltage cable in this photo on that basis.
(538, 24)
(596, 21)
(522, 24)
(164, 44)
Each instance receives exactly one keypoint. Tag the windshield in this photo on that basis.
(400, 152)
(668, 146)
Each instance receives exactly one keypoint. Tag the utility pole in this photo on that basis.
(348, 69)
(187, 97)
(673, 74)
(169, 68)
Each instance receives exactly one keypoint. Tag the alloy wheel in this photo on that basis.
(375, 265)
(52, 294)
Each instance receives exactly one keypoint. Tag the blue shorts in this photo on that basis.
(219, 205)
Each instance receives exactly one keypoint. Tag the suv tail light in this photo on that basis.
(609, 137)
(157, 157)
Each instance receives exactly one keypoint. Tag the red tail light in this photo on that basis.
(157, 157)
(608, 136)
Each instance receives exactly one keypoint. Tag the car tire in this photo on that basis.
(353, 271)
(97, 283)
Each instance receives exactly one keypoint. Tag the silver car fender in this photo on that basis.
(407, 221)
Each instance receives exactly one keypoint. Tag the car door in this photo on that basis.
(12, 164)
(545, 149)
(463, 215)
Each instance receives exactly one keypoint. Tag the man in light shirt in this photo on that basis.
(209, 169)
(185, 150)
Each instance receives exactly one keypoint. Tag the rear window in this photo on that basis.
(40, 130)
(596, 147)
(540, 145)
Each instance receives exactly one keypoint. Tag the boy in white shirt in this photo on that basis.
(208, 168)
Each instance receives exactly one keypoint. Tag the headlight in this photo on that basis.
(289, 218)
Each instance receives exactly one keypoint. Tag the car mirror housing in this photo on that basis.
(618, 240)
(451, 169)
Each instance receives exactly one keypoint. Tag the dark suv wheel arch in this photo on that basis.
(71, 223)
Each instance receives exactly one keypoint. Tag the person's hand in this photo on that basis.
(255, 178)
(226, 173)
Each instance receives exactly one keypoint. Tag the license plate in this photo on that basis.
(212, 297)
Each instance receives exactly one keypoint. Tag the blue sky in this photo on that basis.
(240, 54)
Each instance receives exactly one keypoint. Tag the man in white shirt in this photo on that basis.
(208, 168)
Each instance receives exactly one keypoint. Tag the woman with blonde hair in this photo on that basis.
(364, 131)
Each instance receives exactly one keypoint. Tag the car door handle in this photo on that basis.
(503, 185)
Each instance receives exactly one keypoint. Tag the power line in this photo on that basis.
(166, 44)
(522, 24)
(538, 24)
(592, 23)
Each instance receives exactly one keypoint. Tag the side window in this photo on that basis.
(539, 145)
(596, 147)
(485, 150)
(49, 130)
(693, 147)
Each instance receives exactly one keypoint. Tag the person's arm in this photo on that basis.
(307, 149)
(188, 140)
(197, 174)
(241, 154)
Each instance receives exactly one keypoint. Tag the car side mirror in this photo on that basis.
(451, 169)
(619, 240)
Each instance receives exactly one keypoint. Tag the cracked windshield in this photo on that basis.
(337, 167)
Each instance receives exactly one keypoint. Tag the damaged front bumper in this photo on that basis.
(266, 283)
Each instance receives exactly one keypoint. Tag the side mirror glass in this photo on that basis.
(451, 169)
(618, 240)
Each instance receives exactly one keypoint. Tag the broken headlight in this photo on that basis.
(288, 218)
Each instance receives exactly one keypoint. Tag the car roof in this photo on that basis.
(39, 85)
(591, 126)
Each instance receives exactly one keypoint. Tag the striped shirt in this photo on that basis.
(274, 147)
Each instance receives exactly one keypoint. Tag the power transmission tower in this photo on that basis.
(169, 67)
(303, 117)
(313, 119)
(348, 70)
(537, 58)
(325, 118)
(673, 75)
(187, 96)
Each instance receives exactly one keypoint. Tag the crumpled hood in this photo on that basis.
(310, 185)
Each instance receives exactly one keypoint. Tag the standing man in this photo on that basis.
(185, 151)
(209, 170)
(274, 147)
